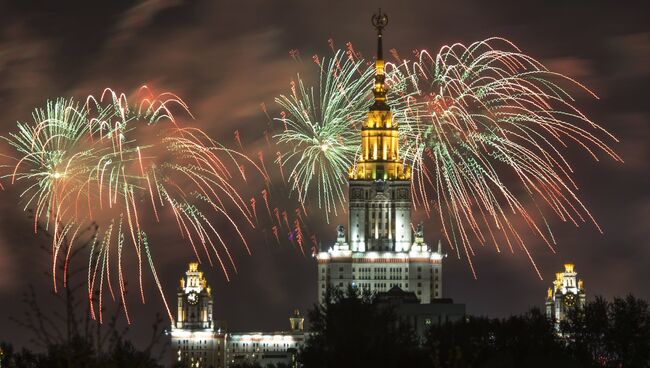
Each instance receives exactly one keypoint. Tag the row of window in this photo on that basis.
(381, 270)
(380, 277)
(257, 344)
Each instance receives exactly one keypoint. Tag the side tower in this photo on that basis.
(194, 339)
(567, 293)
(380, 251)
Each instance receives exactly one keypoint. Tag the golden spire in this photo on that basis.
(380, 158)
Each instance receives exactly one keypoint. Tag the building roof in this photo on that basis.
(397, 295)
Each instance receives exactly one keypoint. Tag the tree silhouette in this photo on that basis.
(349, 329)
(610, 334)
(528, 340)
(66, 334)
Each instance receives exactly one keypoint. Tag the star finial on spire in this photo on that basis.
(379, 20)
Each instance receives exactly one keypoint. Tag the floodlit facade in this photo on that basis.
(266, 348)
(380, 250)
(567, 293)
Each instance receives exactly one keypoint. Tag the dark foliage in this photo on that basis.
(349, 330)
(257, 365)
(528, 340)
(610, 334)
(79, 352)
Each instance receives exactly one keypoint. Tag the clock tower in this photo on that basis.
(567, 293)
(194, 300)
(195, 340)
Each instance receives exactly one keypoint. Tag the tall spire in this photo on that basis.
(379, 21)
(380, 158)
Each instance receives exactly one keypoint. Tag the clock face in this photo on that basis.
(192, 297)
(570, 300)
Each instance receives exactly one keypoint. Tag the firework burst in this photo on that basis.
(493, 123)
(320, 126)
(483, 127)
(116, 164)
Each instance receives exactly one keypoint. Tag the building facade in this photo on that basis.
(420, 317)
(567, 293)
(380, 250)
(266, 348)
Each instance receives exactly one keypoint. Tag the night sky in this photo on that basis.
(225, 60)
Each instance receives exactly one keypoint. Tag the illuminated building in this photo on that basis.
(381, 250)
(567, 293)
(195, 340)
(266, 348)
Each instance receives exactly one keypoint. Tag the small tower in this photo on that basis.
(194, 339)
(297, 321)
(194, 300)
(566, 294)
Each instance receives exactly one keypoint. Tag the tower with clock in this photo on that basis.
(195, 340)
(194, 300)
(566, 294)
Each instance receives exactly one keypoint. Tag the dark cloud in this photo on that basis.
(225, 59)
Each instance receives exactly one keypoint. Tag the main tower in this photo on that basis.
(380, 251)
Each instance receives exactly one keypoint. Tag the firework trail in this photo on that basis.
(488, 142)
(115, 163)
(482, 126)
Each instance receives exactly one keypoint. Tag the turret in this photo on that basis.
(297, 321)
